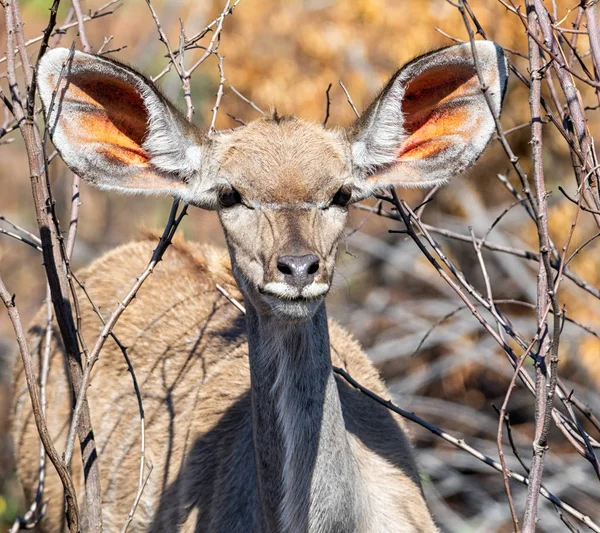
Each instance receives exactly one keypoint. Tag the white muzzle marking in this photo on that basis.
(289, 292)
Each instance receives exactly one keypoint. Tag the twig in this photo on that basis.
(235, 303)
(20, 238)
(36, 511)
(349, 98)
(72, 509)
(236, 119)
(502, 416)
(100, 12)
(138, 496)
(581, 247)
(591, 16)
(80, 26)
(327, 104)
(248, 101)
(75, 198)
(214, 41)
(143, 479)
(200, 35)
(163, 244)
(215, 108)
(162, 37)
(55, 262)
(547, 360)
(30, 235)
(75, 203)
(571, 93)
(583, 207)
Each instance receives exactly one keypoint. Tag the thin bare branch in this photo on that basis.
(65, 477)
(349, 98)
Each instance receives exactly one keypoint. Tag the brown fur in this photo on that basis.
(291, 161)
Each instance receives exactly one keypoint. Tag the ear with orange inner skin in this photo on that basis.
(432, 120)
(114, 129)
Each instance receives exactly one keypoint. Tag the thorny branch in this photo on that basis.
(547, 356)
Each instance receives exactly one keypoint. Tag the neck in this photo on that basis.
(306, 471)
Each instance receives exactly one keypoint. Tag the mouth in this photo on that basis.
(286, 292)
(294, 303)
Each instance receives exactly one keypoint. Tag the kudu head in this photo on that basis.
(281, 185)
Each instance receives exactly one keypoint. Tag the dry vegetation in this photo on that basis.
(443, 342)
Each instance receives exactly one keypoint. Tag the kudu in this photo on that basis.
(248, 429)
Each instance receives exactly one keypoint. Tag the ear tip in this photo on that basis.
(501, 65)
(59, 50)
(492, 55)
(489, 46)
(53, 56)
(49, 69)
(54, 59)
(492, 51)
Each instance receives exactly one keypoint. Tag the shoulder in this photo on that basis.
(185, 266)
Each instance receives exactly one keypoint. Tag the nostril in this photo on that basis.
(284, 268)
(312, 269)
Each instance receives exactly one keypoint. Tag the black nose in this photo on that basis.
(299, 270)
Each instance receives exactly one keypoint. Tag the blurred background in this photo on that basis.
(283, 55)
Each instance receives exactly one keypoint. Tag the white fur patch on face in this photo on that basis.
(281, 290)
(291, 303)
(194, 155)
(315, 290)
(289, 292)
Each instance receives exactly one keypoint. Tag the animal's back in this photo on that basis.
(187, 344)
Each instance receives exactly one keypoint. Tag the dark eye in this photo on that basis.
(229, 198)
(341, 198)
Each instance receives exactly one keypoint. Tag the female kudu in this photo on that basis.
(247, 427)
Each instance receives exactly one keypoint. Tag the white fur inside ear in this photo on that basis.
(194, 155)
(171, 146)
(381, 132)
(377, 143)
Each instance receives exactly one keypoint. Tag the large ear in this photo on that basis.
(432, 120)
(113, 128)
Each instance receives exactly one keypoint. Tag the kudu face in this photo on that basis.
(281, 185)
(292, 182)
